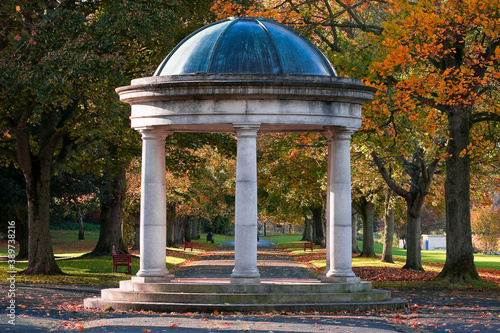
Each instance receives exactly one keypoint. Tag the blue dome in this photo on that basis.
(246, 45)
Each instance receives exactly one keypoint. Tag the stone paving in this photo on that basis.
(271, 262)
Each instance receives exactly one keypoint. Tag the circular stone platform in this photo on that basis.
(208, 295)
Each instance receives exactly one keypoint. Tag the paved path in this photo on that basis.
(52, 308)
(271, 263)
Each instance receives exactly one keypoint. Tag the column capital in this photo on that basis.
(246, 129)
(153, 133)
(338, 133)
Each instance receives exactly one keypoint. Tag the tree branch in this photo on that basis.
(485, 116)
(388, 179)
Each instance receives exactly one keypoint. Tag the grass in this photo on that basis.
(98, 270)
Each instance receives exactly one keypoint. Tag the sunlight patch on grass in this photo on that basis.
(173, 261)
(487, 261)
(319, 263)
(69, 255)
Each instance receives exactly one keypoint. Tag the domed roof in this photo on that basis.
(246, 45)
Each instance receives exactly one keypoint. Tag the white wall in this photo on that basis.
(434, 242)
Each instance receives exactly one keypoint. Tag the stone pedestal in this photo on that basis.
(338, 209)
(153, 208)
(245, 239)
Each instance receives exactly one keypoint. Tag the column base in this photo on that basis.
(153, 276)
(339, 279)
(153, 279)
(243, 280)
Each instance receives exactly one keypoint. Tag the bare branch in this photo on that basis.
(388, 179)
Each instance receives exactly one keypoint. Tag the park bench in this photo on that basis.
(122, 260)
(188, 245)
(308, 245)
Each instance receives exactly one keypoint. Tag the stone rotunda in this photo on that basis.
(245, 76)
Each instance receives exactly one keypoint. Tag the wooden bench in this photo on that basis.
(122, 260)
(188, 245)
(309, 245)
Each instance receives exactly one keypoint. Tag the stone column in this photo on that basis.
(153, 208)
(338, 209)
(245, 239)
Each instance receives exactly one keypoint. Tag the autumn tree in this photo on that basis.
(420, 173)
(48, 60)
(443, 57)
(200, 171)
(212, 189)
(292, 179)
(59, 65)
(367, 189)
(486, 226)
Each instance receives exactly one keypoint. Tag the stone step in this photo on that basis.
(290, 297)
(392, 304)
(275, 287)
(221, 295)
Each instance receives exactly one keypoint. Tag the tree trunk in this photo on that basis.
(388, 228)
(413, 247)
(459, 266)
(20, 216)
(354, 226)
(180, 224)
(195, 228)
(318, 234)
(306, 235)
(112, 195)
(188, 227)
(81, 231)
(368, 216)
(171, 217)
(137, 227)
(40, 252)
(368, 244)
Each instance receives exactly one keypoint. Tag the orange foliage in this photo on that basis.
(436, 58)
(283, 14)
(440, 51)
(485, 222)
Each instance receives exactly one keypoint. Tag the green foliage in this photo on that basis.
(13, 194)
(292, 175)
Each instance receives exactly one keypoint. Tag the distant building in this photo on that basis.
(434, 242)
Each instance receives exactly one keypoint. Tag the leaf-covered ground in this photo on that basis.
(390, 272)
